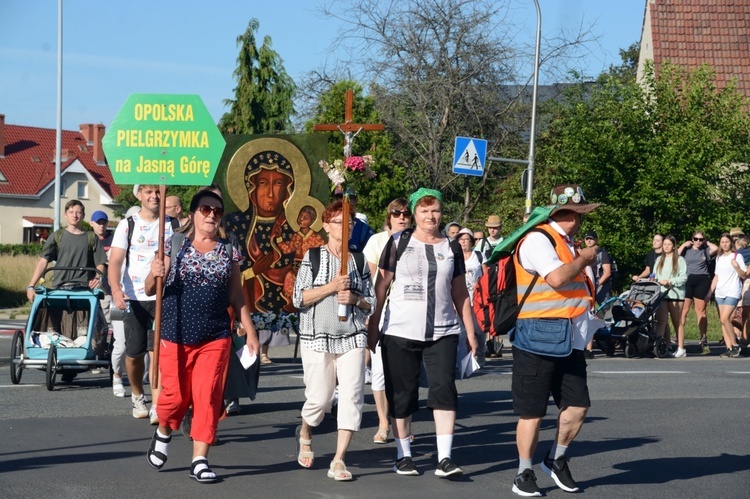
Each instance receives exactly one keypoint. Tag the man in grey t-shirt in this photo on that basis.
(70, 247)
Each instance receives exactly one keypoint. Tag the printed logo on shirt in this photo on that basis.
(413, 292)
(439, 256)
(135, 279)
(141, 238)
(143, 228)
(151, 243)
(142, 258)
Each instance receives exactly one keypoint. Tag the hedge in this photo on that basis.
(20, 249)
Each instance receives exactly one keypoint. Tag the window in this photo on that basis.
(63, 188)
(83, 190)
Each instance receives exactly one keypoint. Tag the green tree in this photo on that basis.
(125, 199)
(441, 69)
(667, 154)
(389, 182)
(263, 97)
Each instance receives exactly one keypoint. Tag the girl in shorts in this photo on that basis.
(697, 253)
(727, 283)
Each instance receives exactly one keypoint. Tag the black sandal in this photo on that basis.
(152, 452)
(200, 475)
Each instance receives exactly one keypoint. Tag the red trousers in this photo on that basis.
(193, 375)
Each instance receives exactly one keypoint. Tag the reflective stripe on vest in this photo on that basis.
(547, 302)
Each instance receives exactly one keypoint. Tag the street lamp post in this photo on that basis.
(528, 178)
(58, 137)
(532, 141)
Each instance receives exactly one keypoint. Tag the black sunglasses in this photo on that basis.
(398, 213)
(206, 210)
(698, 239)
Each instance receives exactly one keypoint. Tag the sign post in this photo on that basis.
(163, 139)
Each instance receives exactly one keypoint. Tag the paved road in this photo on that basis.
(671, 428)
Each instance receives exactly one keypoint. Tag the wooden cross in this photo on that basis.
(349, 129)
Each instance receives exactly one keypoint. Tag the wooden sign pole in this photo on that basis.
(159, 286)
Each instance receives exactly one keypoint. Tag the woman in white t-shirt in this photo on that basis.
(727, 284)
(473, 262)
(421, 323)
(398, 218)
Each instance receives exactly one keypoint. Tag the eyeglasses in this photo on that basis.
(698, 239)
(206, 210)
(398, 213)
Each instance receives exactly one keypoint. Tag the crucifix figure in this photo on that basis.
(349, 129)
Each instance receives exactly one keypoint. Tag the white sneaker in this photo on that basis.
(681, 352)
(153, 416)
(140, 411)
(117, 388)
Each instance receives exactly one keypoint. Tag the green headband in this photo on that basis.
(423, 192)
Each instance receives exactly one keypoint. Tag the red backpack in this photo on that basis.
(495, 295)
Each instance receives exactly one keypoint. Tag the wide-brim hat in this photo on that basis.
(492, 221)
(570, 197)
(736, 231)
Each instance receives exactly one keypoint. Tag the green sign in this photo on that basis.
(163, 139)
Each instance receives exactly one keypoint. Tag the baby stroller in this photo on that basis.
(66, 332)
(631, 321)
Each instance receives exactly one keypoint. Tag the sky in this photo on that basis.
(114, 48)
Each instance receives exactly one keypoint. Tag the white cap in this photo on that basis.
(361, 216)
(132, 211)
(135, 189)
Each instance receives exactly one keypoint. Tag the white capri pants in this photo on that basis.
(321, 370)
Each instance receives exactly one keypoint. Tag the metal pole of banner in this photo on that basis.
(532, 142)
(58, 135)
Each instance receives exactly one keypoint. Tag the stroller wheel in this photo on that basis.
(661, 348)
(629, 350)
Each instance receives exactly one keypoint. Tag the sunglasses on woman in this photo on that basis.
(698, 239)
(398, 213)
(206, 210)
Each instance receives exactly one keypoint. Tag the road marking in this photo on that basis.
(19, 386)
(640, 372)
(738, 372)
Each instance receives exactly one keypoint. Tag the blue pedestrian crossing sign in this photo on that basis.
(469, 156)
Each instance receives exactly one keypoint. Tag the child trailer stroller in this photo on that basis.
(66, 332)
(632, 322)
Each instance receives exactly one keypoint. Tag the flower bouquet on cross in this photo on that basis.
(348, 170)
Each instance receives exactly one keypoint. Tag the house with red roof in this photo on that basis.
(690, 33)
(27, 178)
